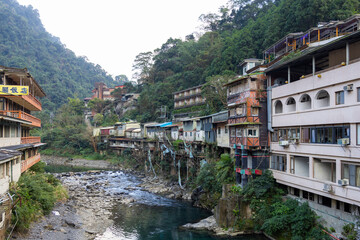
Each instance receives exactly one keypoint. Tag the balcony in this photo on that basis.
(29, 140)
(35, 122)
(347, 194)
(28, 101)
(26, 164)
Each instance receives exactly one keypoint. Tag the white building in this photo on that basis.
(315, 124)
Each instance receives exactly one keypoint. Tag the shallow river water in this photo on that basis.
(151, 216)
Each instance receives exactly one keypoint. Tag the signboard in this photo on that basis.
(14, 90)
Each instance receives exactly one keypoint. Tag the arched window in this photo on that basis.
(278, 107)
(322, 99)
(290, 105)
(305, 102)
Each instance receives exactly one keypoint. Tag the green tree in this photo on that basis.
(98, 119)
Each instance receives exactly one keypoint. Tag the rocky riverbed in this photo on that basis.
(92, 195)
(87, 213)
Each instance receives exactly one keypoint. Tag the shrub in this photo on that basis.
(225, 169)
(38, 192)
(207, 178)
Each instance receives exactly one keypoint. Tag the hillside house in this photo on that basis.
(188, 102)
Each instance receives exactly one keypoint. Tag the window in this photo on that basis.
(185, 134)
(305, 102)
(232, 132)
(278, 162)
(252, 132)
(322, 99)
(12, 132)
(358, 134)
(239, 132)
(240, 110)
(219, 130)
(226, 130)
(2, 104)
(232, 112)
(352, 173)
(7, 131)
(329, 135)
(255, 111)
(290, 105)
(278, 107)
(358, 94)
(305, 135)
(190, 134)
(324, 169)
(275, 136)
(339, 97)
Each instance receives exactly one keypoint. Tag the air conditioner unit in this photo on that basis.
(284, 143)
(348, 87)
(343, 182)
(343, 141)
(327, 187)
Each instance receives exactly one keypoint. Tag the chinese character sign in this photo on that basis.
(14, 90)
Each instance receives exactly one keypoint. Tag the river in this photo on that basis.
(112, 205)
(150, 216)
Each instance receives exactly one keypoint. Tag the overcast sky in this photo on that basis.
(112, 32)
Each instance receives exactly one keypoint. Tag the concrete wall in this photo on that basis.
(10, 141)
(331, 81)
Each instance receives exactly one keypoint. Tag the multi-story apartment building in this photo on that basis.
(186, 101)
(314, 100)
(247, 119)
(19, 93)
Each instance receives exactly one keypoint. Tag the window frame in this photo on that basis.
(340, 97)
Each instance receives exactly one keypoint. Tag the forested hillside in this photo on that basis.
(241, 31)
(24, 43)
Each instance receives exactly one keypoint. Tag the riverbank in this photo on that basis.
(90, 203)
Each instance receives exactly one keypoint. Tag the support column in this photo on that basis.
(288, 74)
(313, 66)
(288, 167)
(338, 170)
(311, 167)
(347, 53)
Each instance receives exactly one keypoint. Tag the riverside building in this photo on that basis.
(314, 100)
(19, 93)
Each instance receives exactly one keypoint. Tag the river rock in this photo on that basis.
(205, 224)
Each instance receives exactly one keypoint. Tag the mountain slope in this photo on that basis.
(24, 43)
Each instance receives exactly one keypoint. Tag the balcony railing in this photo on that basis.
(31, 102)
(26, 164)
(23, 116)
(28, 140)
